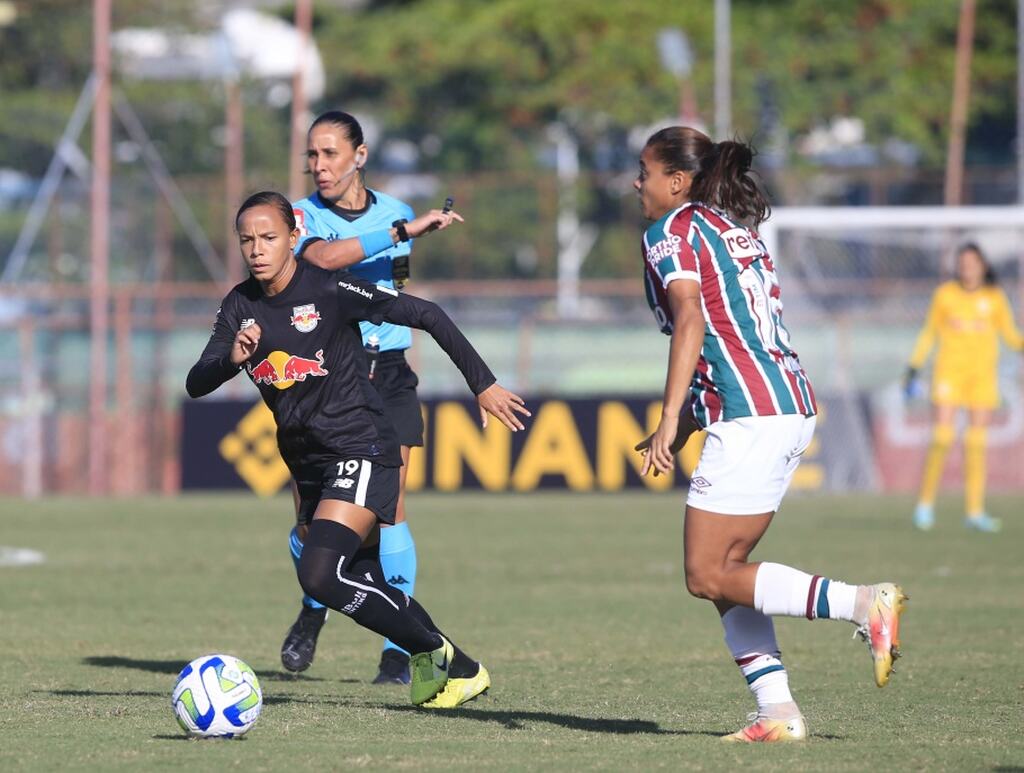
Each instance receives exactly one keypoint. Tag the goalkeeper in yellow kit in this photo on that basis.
(967, 317)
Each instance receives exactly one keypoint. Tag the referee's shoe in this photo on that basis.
(300, 643)
(394, 667)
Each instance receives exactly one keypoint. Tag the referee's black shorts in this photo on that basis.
(396, 384)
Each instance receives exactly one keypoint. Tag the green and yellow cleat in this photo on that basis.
(430, 672)
(765, 730)
(459, 691)
(882, 630)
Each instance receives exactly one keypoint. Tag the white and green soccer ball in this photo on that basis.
(217, 696)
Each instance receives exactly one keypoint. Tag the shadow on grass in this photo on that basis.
(180, 737)
(268, 700)
(513, 720)
(175, 666)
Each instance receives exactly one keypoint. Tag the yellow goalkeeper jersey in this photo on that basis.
(967, 326)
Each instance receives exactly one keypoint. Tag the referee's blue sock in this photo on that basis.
(295, 546)
(398, 560)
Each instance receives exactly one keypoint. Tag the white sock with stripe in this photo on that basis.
(750, 637)
(783, 590)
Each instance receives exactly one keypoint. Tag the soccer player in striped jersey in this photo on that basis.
(714, 289)
(968, 316)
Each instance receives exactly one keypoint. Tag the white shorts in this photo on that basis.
(747, 464)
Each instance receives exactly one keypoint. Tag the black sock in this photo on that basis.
(324, 573)
(367, 564)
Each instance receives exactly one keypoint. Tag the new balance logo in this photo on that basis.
(397, 580)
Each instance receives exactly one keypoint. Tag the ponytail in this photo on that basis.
(721, 171)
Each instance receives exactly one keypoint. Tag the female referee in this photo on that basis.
(293, 326)
(967, 316)
(344, 224)
(712, 286)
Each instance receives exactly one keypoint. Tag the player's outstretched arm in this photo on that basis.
(375, 303)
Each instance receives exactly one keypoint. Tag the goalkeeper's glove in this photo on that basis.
(912, 387)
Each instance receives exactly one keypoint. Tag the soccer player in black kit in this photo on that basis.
(294, 327)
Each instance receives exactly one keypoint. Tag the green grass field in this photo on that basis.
(599, 659)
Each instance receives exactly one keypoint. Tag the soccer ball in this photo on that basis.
(217, 696)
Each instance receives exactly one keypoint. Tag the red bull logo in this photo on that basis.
(282, 370)
(305, 317)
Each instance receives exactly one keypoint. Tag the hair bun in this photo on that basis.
(742, 155)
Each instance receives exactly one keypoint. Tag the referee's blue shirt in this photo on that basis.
(315, 219)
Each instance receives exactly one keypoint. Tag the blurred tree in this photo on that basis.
(887, 62)
(47, 56)
(487, 78)
(475, 85)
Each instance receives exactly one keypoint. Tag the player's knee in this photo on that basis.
(943, 435)
(976, 437)
(314, 578)
(702, 583)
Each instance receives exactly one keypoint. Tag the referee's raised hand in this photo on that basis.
(502, 405)
(434, 220)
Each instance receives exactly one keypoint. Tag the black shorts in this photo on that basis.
(358, 481)
(396, 384)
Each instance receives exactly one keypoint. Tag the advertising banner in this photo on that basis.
(578, 444)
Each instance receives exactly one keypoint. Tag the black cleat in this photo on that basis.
(394, 668)
(300, 643)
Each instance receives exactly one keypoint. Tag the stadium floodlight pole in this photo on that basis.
(958, 113)
(723, 71)
(99, 249)
(304, 24)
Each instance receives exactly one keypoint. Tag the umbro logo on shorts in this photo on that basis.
(700, 482)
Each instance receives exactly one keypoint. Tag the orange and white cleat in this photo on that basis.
(765, 730)
(882, 630)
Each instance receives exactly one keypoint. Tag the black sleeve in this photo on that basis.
(214, 366)
(415, 312)
(374, 303)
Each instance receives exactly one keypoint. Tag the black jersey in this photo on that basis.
(310, 365)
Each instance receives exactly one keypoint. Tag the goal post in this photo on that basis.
(857, 282)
